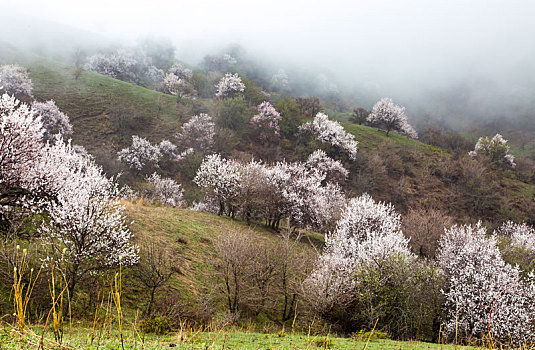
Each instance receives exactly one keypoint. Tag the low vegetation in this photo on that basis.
(204, 208)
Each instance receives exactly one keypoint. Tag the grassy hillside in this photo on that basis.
(370, 138)
(105, 112)
(190, 237)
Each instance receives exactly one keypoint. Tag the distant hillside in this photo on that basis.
(423, 176)
(105, 112)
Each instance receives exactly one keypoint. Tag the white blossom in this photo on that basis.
(172, 151)
(180, 87)
(301, 193)
(85, 216)
(367, 233)
(392, 117)
(168, 148)
(207, 207)
(85, 222)
(331, 132)
(483, 293)
(521, 235)
(21, 132)
(258, 191)
(496, 148)
(166, 191)
(229, 85)
(54, 121)
(180, 71)
(15, 80)
(172, 84)
(198, 133)
(333, 169)
(267, 121)
(220, 180)
(115, 65)
(325, 205)
(128, 65)
(140, 154)
(229, 59)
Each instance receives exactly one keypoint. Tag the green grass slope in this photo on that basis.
(190, 236)
(105, 112)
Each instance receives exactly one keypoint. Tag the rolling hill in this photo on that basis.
(105, 112)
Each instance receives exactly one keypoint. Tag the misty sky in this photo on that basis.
(395, 46)
(377, 29)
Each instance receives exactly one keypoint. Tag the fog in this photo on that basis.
(443, 59)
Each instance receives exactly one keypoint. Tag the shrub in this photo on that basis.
(424, 228)
(233, 113)
(157, 325)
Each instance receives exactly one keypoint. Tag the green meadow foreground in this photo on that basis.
(81, 338)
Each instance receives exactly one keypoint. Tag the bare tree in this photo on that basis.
(294, 265)
(309, 106)
(154, 270)
(234, 251)
(263, 271)
(359, 116)
(79, 57)
(425, 227)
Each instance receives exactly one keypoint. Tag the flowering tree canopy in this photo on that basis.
(54, 121)
(229, 85)
(180, 71)
(84, 221)
(308, 202)
(220, 180)
(496, 148)
(15, 80)
(368, 233)
(484, 294)
(267, 121)
(258, 191)
(21, 132)
(172, 84)
(198, 133)
(140, 153)
(331, 132)
(165, 191)
(20, 147)
(128, 65)
(229, 59)
(391, 116)
(172, 151)
(86, 215)
(168, 148)
(522, 235)
(180, 87)
(115, 65)
(333, 169)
